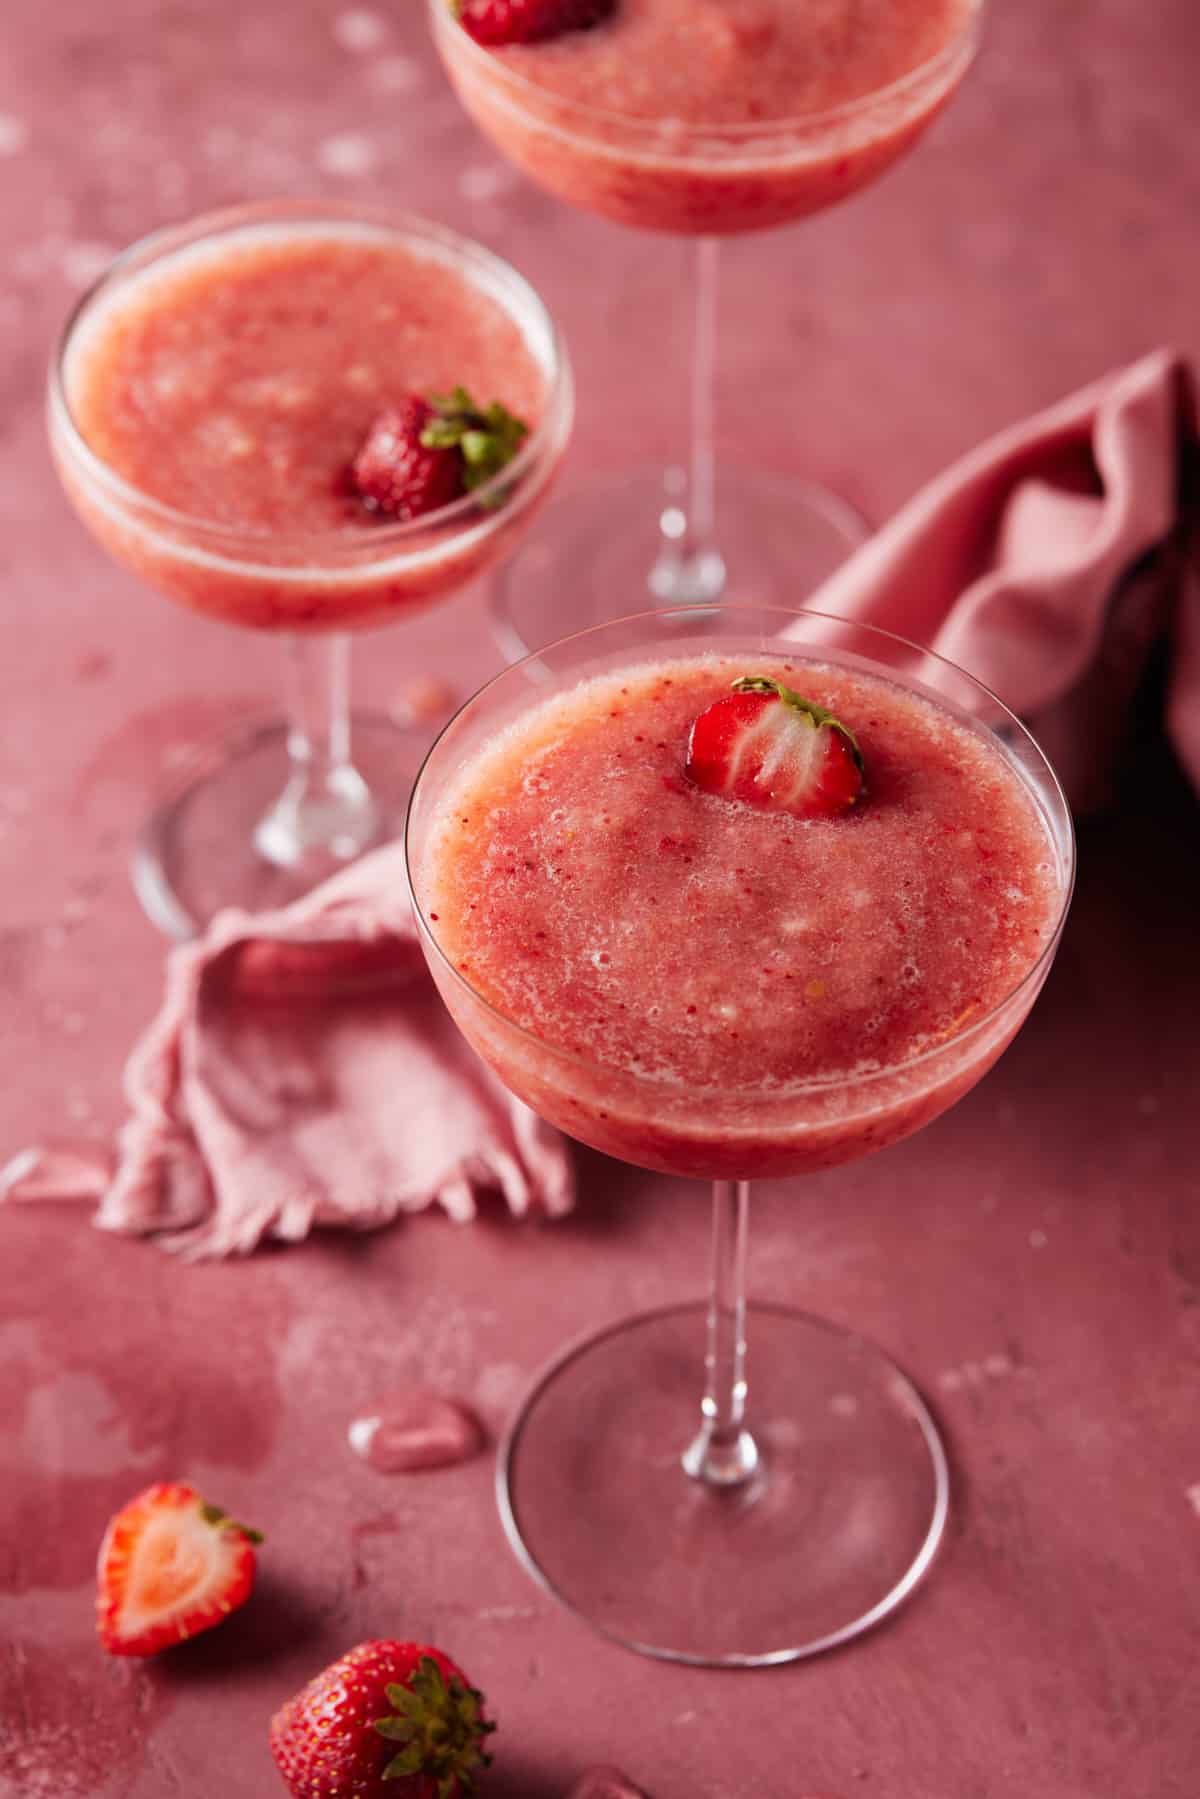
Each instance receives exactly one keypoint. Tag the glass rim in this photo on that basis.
(1031, 979)
(146, 251)
(963, 44)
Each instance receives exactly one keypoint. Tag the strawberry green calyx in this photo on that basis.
(808, 709)
(220, 1520)
(487, 436)
(441, 1725)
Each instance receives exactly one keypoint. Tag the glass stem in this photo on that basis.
(325, 813)
(689, 568)
(723, 1453)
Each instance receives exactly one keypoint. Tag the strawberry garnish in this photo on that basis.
(528, 21)
(766, 746)
(427, 453)
(397, 473)
(388, 1721)
(170, 1565)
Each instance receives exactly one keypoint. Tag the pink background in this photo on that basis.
(1033, 1259)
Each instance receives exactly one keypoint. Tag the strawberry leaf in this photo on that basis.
(220, 1520)
(409, 1761)
(397, 1730)
(488, 438)
(406, 1699)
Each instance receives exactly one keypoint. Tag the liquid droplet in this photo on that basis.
(414, 1431)
(605, 1783)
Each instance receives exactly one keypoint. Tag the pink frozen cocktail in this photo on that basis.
(310, 419)
(213, 401)
(716, 989)
(701, 118)
(714, 116)
(730, 892)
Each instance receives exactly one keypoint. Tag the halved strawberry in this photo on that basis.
(170, 1565)
(528, 21)
(766, 746)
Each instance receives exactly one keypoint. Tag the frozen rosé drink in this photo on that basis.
(213, 402)
(732, 891)
(736, 915)
(707, 116)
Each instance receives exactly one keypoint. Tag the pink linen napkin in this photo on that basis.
(1051, 560)
(303, 1071)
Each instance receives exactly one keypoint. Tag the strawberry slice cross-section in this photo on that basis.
(170, 1565)
(766, 746)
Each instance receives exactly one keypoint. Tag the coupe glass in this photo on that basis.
(683, 535)
(262, 819)
(786, 1488)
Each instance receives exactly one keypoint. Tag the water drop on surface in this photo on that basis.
(414, 1431)
(605, 1783)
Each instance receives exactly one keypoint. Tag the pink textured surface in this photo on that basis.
(1033, 1259)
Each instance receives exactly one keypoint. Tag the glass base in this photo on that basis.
(203, 849)
(832, 1533)
(606, 550)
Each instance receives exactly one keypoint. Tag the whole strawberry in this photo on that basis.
(397, 473)
(528, 21)
(170, 1565)
(427, 453)
(388, 1721)
(768, 747)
